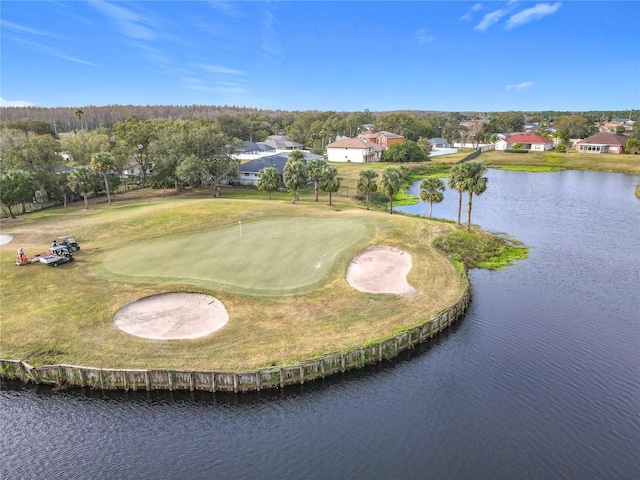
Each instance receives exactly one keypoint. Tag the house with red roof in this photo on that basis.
(527, 141)
(355, 150)
(384, 139)
(602, 143)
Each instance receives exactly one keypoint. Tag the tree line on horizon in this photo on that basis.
(313, 129)
(259, 122)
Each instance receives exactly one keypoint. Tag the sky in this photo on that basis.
(327, 55)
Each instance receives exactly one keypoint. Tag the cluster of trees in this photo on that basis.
(33, 157)
(464, 177)
(405, 151)
(298, 173)
(195, 144)
(391, 182)
(412, 124)
(315, 129)
(467, 177)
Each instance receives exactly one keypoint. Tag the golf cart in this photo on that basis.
(69, 241)
(59, 254)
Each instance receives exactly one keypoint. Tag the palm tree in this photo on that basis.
(78, 113)
(367, 183)
(296, 155)
(316, 167)
(474, 182)
(390, 183)
(295, 176)
(456, 176)
(269, 180)
(431, 190)
(102, 162)
(330, 182)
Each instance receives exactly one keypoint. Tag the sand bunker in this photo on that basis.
(4, 239)
(172, 316)
(180, 316)
(381, 269)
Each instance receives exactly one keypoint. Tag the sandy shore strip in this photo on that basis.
(172, 316)
(381, 269)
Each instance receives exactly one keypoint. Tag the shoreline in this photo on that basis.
(70, 376)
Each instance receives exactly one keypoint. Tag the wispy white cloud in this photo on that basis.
(475, 8)
(528, 15)
(51, 50)
(423, 36)
(216, 79)
(195, 84)
(25, 30)
(519, 86)
(38, 40)
(229, 89)
(132, 24)
(221, 69)
(490, 18)
(16, 103)
(269, 35)
(151, 54)
(226, 7)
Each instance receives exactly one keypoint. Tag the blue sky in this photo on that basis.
(329, 55)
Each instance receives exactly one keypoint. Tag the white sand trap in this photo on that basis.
(172, 316)
(4, 239)
(381, 269)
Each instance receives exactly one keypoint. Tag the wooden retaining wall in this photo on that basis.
(63, 376)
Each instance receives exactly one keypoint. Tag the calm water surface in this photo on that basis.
(541, 380)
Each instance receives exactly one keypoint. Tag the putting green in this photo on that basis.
(261, 256)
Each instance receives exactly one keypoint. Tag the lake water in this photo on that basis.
(541, 380)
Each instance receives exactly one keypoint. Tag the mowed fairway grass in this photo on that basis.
(283, 283)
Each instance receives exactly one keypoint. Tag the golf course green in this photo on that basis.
(271, 255)
(278, 269)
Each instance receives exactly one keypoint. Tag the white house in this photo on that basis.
(132, 169)
(438, 142)
(527, 141)
(354, 150)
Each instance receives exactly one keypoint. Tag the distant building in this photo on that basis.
(614, 125)
(384, 139)
(248, 172)
(259, 148)
(355, 150)
(527, 141)
(282, 142)
(602, 143)
(438, 142)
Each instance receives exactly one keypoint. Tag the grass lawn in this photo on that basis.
(551, 160)
(192, 243)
